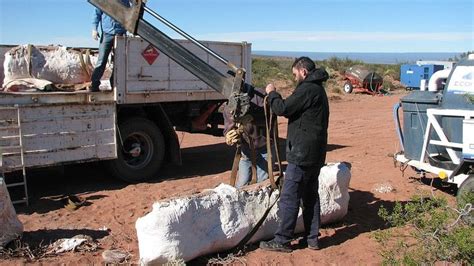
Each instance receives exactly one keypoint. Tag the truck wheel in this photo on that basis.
(465, 195)
(347, 87)
(140, 150)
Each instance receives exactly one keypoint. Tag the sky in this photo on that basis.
(272, 25)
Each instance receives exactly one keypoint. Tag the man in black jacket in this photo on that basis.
(307, 110)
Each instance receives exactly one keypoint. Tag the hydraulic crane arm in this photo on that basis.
(132, 19)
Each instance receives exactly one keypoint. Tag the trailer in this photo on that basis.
(360, 79)
(437, 135)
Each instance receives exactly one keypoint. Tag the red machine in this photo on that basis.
(360, 79)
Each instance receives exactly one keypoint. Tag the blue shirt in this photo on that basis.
(108, 24)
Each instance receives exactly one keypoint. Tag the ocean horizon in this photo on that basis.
(370, 58)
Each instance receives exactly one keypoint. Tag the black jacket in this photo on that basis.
(307, 110)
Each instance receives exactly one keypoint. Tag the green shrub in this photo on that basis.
(425, 230)
(264, 70)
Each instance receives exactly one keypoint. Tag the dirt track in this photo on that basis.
(361, 132)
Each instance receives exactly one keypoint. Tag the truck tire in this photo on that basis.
(464, 196)
(140, 150)
(348, 87)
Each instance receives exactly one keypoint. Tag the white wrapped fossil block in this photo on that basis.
(55, 64)
(216, 220)
(11, 227)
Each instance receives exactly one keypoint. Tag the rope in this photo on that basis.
(269, 126)
(235, 165)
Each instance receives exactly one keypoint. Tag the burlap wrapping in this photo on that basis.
(29, 67)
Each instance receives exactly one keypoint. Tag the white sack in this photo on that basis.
(52, 63)
(10, 227)
(216, 220)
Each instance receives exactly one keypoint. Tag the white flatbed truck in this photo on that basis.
(132, 126)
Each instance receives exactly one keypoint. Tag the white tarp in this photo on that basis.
(55, 64)
(216, 220)
(10, 226)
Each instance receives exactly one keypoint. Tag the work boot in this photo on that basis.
(303, 242)
(273, 245)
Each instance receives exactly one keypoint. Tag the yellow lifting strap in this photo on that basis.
(83, 62)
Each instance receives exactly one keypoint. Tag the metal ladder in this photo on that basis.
(14, 146)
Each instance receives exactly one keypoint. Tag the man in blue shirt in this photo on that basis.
(109, 28)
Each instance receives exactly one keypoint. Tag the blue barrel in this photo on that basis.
(415, 120)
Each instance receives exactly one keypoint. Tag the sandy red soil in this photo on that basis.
(361, 132)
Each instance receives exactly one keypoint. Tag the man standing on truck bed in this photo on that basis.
(109, 28)
(307, 110)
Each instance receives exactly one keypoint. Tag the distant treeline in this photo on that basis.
(371, 58)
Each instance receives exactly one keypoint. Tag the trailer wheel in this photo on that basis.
(465, 195)
(141, 149)
(348, 87)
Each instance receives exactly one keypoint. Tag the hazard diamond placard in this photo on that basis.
(150, 54)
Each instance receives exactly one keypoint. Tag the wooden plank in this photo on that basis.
(8, 114)
(52, 142)
(42, 159)
(8, 141)
(43, 127)
(35, 113)
(65, 118)
(41, 98)
(8, 132)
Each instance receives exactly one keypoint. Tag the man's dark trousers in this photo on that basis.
(301, 183)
